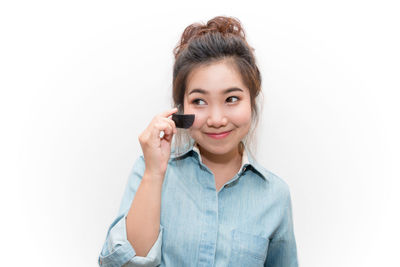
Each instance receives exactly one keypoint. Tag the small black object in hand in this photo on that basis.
(183, 120)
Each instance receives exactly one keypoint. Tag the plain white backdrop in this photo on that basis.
(80, 80)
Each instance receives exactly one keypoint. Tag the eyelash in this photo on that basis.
(195, 101)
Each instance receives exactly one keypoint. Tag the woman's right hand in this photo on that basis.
(156, 150)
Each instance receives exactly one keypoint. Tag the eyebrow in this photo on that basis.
(226, 91)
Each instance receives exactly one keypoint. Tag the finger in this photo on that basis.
(168, 133)
(168, 137)
(161, 126)
(168, 130)
(168, 113)
(170, 122)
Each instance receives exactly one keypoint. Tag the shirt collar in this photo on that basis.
(247, 160)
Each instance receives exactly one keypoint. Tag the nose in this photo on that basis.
(216, 118)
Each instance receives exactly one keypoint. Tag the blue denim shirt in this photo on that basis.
(248, 222)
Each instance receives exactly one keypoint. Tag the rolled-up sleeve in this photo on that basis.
(117, 250)
(282, 250)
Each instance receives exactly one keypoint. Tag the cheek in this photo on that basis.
(241, 116)
(200, 117)
(199, 120)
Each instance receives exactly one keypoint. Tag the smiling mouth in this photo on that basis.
(219, 135)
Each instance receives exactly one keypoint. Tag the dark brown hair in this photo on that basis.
(220, 39)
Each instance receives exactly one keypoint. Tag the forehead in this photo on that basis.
(214, 78)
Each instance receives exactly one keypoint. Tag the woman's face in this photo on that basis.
(221, 104)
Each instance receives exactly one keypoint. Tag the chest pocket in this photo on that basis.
(248, 249)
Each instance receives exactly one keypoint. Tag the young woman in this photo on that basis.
(197, 196)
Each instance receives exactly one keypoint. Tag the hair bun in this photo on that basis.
(224, 25)
(220, 24)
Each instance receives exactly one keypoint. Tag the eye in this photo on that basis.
(232, 99)
(197, 101)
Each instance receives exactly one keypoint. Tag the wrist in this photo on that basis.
(153, 176)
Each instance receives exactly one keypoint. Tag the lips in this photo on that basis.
(219, 135)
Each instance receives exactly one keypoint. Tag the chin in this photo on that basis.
(217, 148)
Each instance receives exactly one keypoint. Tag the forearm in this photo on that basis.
(143, 219)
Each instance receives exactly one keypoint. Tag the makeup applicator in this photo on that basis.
(183, 120)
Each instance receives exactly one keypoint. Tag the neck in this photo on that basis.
(232, 157)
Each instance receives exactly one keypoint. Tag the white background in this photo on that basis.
(80, 80)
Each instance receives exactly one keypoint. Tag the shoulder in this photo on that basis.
(275, 183)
